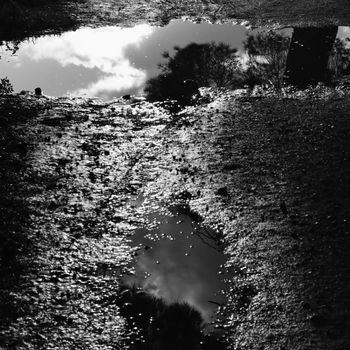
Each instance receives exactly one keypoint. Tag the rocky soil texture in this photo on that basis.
(269, 172)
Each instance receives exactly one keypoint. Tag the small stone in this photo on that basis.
(305, 305)
(283, 208)
(38, 91)
(222, 192)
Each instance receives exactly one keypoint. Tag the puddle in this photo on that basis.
(110, 62)
(178, 261)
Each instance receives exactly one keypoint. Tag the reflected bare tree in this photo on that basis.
(159, 325)
(267, 55)
(207, 64)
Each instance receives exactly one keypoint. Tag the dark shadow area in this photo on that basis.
(322, 200)
(16, 248)
(156, 324)
(308, 144)
(308, 55)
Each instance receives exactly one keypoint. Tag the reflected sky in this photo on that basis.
(109, 62)
(178, 262)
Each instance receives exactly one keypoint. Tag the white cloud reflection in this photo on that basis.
(180, 269)
(103, 49)
(343, 32)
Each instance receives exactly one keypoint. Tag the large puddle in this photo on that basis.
(111, 62)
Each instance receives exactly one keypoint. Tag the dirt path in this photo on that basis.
(272, 174)
(73, 167)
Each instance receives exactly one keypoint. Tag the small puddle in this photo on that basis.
(178, 262)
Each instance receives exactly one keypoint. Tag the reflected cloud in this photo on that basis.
(181, 269)
(175, 280)
(344, 33)
(103, 49)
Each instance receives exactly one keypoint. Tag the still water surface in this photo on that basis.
(180, 261)
(108, 62)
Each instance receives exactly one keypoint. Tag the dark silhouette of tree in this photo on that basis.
(5, 85)
(206, 64)
(339, 60)
(267, 55)
(308, 55)
(212, 343)
(176, 327)
(161, 325)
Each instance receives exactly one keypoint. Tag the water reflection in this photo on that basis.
(207, 64)
(180, 260)
(111, 62)
(172, 297)
(156, 324)
(220, 65)
(107, 62)
(86, 62)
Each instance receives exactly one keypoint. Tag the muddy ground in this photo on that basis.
(20, 20)
(269, 172)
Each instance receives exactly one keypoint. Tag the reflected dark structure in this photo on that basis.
(308, 55)
(157, 325)
(17, 249)
(206, 64)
